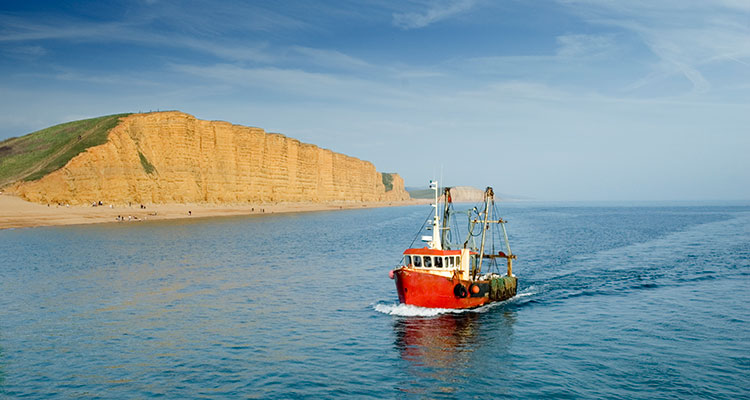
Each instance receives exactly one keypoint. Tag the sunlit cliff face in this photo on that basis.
(172, 157)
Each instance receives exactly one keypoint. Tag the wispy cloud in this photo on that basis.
(16, 29)
(433, 12)
(236, 16)
(582, 45)
(330, 58)
(501, 94)
(684, 39)
(300, 84)
(24, 52)
(74, 30)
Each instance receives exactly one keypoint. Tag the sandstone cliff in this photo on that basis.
(172, 157)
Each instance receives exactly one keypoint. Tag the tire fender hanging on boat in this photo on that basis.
(460, 291)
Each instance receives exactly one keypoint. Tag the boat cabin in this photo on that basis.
(440, 262)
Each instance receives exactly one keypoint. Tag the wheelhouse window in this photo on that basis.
(451, 262)
(428, 261)
(417, 261)
(438, 262)
(407, 260)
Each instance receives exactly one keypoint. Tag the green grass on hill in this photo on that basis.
(147, 166)
(387, 180)
(35, 155)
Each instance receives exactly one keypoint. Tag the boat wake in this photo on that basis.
(523, 296)
(408, 310)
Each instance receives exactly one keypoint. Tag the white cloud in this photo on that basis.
(24, 52)
(301, 84)
(330, 58)
(514, 90)
(435, 13)
(17, 29)
(579, 45)
(685, 38)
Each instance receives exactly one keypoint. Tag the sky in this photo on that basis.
(568, 100)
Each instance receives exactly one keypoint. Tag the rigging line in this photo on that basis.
(418, 233)
(454, 221)
(492, 234)
(469, 222)
(469, 228)
(471, 232)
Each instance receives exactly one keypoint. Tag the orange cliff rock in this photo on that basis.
(172, 157)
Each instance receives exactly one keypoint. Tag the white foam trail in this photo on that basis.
(520, 297)
(408, 310)
(529, 291)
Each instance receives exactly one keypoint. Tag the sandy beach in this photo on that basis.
(18, 213)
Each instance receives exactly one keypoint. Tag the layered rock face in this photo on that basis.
(172, 157)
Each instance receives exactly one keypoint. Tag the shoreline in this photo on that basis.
(18, 213)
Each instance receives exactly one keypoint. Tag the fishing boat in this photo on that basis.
(450, 275)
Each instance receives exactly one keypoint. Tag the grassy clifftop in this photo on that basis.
(35, 155)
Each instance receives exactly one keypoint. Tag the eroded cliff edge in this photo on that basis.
(172, 157)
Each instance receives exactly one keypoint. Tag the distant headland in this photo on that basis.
(173, 157)
(168, 159)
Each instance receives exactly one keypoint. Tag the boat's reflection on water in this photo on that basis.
(445, 353)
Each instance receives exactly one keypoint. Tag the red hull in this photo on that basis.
(428, 290)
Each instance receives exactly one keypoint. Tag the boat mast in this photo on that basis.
(510, 255)
(488, 195)
(435, 243)
(446, 217)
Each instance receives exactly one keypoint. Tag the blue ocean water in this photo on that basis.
(615, 301)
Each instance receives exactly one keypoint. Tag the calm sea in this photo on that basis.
(615, 301)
